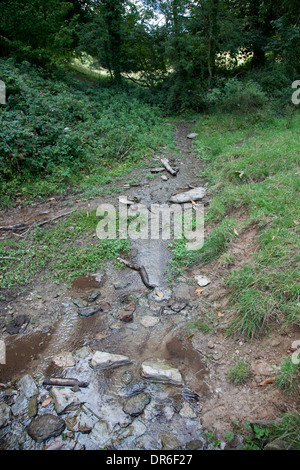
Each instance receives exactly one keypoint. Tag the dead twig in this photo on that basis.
(140, 269)
(168, 167)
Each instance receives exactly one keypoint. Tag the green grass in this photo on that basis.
(239, 373)
(288, 377)
(61, 252)
(252, 166)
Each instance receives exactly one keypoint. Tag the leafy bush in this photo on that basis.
(238, 95)
(59, 127)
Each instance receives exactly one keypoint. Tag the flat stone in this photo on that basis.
(133, 389)
(89, 311)
(169, 441)
(192, 135)
(202, 281)
(20, 407)
(64, 359)
(94, 296)
(4, 414)
(159, 371)
(64, 399)
(80, 303)
(178, 306)
(28, 386)
(43, 427)
(135, 405)
(121, 285)
(105, 360)
(148, 321)
(101, 433)
(157, 169)
(195, 194)
(187, 411)
(80, 423)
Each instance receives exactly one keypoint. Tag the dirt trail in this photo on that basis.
(202, 359)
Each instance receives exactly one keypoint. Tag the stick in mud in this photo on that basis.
(61, 382)
(141, 270)
(167, 166)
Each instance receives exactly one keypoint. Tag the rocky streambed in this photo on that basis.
(135, 383)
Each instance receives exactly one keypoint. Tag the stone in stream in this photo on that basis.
(105, 360)
(195, 194)
(43, 427)
(169, 441)
(94, 296)
(159, 371)
(126, 315)
(135, 405)
(89, 311)
(18, 324)
(28, 386)
(101, 433)
(148, 321)
(64, 400)
(133, 389)
(64, 359)
(4, 414)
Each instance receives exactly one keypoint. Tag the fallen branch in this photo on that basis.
(60, 382)
(140, 269)
(55, 218)
(167, 166)
(13, 227)
(23, 226)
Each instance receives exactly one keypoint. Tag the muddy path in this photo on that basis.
(157, 330)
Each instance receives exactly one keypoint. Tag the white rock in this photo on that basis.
(105, 360)
(159, 371)
(193, 195)
(64, 359)
(201, 281)
(192, 136)
(187, 412)
(101, 433)
(147, 321)
(28, 386)
(64, 399)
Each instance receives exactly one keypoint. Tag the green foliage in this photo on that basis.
(42, 32)
(68, 131)
(285, 429)
(238, 96)
(60, 253)
(288, 377)
(252, 166)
